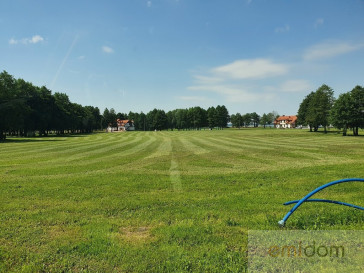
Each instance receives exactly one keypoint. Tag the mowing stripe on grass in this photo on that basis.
(175, 176)
(74, 204)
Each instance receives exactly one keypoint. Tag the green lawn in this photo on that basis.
(166, 201)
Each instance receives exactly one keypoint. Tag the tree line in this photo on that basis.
(253, 119)
(320, 108)
(26, 109)
(179, 119)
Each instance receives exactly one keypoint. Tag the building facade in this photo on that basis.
(285, 122)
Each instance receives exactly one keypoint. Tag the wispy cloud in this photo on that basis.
(33, 40)
(207, 80)
(192, 98)
(328, 50)
(319, 22)
(149, 4)
(12, 41)
(232, 93)
(229, 81)
(293, 86)
(36, 39)
(107, 49)
(286, 28)
(251, 69)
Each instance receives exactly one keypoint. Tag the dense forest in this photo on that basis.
(181, 119)
(26, 109)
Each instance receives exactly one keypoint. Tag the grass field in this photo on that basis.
(166, 201)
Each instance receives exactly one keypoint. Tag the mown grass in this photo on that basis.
(166, 201)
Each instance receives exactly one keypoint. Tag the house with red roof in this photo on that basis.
(125, 125)
(285, 122)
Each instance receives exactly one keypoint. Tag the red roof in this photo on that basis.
(287, 119)
(122, 122)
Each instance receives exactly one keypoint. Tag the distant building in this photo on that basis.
(111, 129)
(285, 122)
(125, 125)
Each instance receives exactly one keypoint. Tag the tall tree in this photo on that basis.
(348, 111)
(93, 118)
(171, 120)
(211, 117)
(42, 104)
(140, 121)
(197, 117)
(303, 111)
(222, 116)
(264, 120)
(271, 117)
(181, 119)
(320, 106)
(157, 120)
(247, 119)
(357, 95)
(7, 99)
(341, 112)
(109, 118)
(255, 118)
(237, 120)
(122, 116)
(62, 120)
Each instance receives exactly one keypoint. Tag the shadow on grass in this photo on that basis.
(335, 132)
(327, 132)
(70, 135)
(15, 139)
(25, 140)
(355, 136)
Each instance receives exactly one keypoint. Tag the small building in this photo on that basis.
(285, 122)
(125, 125)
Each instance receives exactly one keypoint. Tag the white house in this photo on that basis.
(125, 125)
(285, 122)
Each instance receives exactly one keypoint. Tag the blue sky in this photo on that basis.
(136, 55)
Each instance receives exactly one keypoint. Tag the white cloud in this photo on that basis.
(228, 80)
(294, 86)
(329, 50)
(286, 28)
(251, 69)
(319, 22)
(289, 86)
(149, 4)
(13, 41)
(34, 40)
(107, 49)
(207, 80)
(234, 94)
(82, 57)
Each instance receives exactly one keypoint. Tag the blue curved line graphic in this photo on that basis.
(299, 203)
